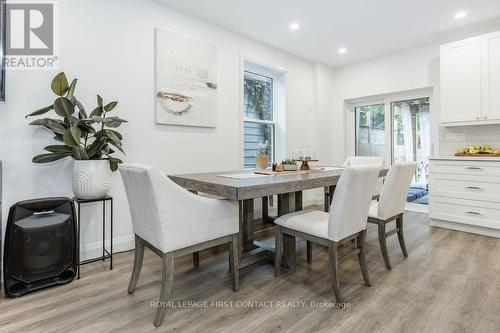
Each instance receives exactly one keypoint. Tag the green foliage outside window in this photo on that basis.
(376, 115)
(258, 96)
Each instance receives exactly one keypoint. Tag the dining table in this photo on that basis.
(244, 186)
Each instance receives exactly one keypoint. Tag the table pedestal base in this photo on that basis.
(254, 251)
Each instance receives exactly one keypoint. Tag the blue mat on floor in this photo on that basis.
(422, 200)
(415, 193)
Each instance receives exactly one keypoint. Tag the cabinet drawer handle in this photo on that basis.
(474, 213)
(474, 168)
(473, 188)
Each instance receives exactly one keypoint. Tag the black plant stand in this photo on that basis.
(105, 253)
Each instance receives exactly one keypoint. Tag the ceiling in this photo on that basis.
(366, 28)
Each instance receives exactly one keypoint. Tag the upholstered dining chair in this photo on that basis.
(356, 161)
(391, 205)
(345, 222)
(172, 222)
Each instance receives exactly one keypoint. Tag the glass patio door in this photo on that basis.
(411, 142)
(399, 130)
(370, 130)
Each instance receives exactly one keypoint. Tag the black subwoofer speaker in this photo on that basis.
(40, 245)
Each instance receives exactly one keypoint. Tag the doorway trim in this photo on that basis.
(386, 99)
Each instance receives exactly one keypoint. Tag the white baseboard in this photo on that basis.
(419, 208)
(313, 202)
(94, 250)
(465, 228)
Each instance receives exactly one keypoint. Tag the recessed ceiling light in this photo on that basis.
(460, 15)
(294, 26)
(342, 50)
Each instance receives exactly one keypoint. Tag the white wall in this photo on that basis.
(109, 46)
(404, 71)
(411, 70)
(324, 108)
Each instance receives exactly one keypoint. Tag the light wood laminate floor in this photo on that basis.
(449, 283)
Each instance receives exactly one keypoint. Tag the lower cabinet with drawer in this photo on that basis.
(465, 194)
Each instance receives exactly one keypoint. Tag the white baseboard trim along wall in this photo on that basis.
(465, 228)
(94, 249)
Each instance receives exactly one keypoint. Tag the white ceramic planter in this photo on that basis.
(91, 179)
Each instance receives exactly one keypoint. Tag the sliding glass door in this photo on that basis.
(411, 141)
(399, 130)
(370, 130)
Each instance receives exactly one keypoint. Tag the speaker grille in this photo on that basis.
(41, 253)
(40, 245)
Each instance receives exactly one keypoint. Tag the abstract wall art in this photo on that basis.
(186, 81)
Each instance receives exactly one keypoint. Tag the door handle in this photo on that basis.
(474, 168)
(473, 188)
(474, 213)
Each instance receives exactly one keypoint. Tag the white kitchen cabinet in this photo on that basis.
(470, 81)
(468, 213)
(461, 81)
(464, 194)
(490, 63)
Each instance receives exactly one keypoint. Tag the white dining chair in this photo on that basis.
(364, 160)
(357, 161)
(391, 205)
(346, 221)
(173, 222)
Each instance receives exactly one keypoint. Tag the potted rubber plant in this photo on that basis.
(90, 139)
(262, 155)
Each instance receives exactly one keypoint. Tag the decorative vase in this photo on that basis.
(262, 162)
(91, 179)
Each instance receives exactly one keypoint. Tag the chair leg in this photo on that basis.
(383, 243)
(196, 259)
(289, 250)
(234, 261)
(333, 254)
(167, 278)
(326, 207)
(138, 257)
(361, 257)
(278, 248)
(309, 251)
(401, 237)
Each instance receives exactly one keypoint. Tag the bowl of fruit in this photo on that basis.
(479, 151)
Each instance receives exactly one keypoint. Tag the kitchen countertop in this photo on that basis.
(464, 158)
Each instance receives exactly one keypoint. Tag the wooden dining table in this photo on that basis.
(246, 186)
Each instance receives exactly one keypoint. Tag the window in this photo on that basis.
(370, 130)
(259, 113)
